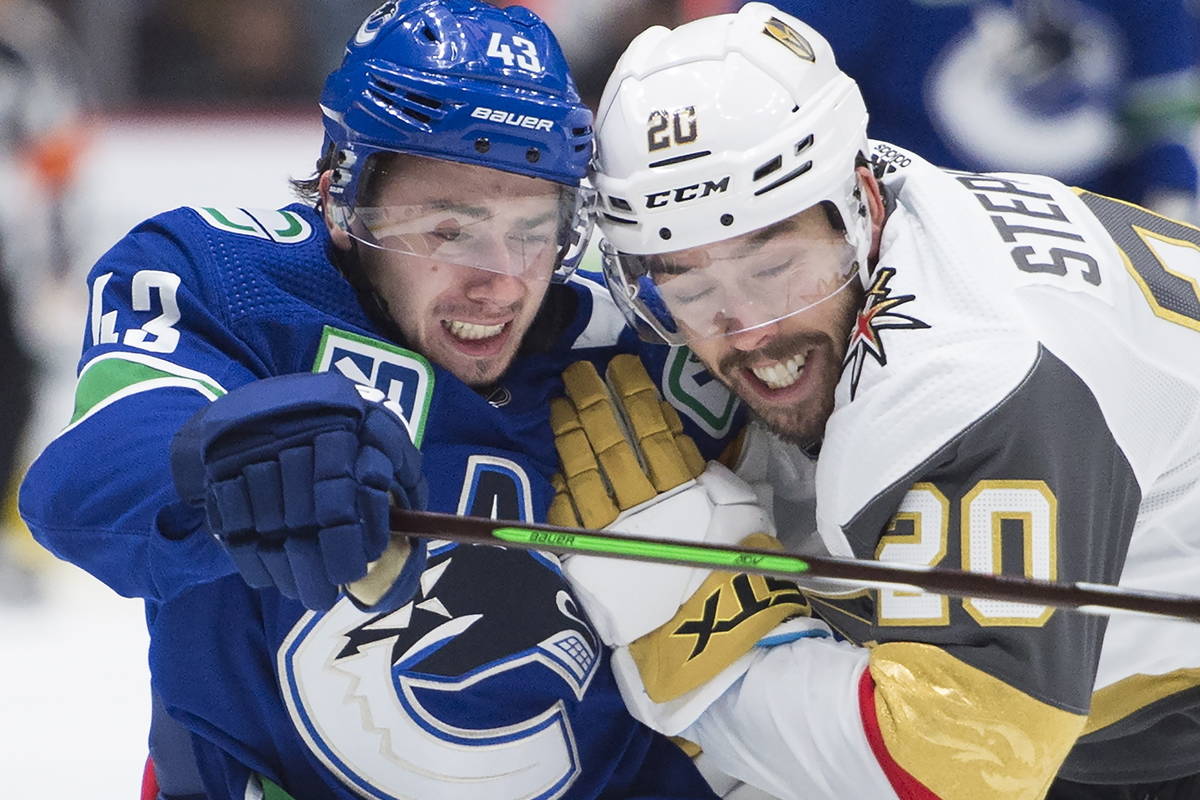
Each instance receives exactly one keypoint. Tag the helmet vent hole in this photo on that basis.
(666, 162)
(796, 173)
(620, 202)
(581, 131)
(420, 99)
(428, 33)
(766, 169)
(804, 144)
(417, 115)
(619, 220)
(795, 109)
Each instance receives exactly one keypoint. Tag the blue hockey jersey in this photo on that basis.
(491, 683)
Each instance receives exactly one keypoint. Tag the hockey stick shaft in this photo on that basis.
(1086, 597)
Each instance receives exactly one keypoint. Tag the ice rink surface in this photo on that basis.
(75, 705)
(74, 696)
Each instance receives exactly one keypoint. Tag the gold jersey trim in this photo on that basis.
(962, 732)
(1129, 695)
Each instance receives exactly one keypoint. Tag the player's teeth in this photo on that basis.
(469, 330)
(780, 375)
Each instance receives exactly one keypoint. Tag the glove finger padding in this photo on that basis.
(627, 466)
(616, 445)
(670, 457)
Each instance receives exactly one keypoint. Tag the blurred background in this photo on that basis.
(113, 110)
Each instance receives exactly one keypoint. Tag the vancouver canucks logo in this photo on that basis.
(371, 25)
(465, 692)
(876, 315)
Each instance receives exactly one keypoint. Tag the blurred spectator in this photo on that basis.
(1099, 93)
(40, 139)
(222, 51)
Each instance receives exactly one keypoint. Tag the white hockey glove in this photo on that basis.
(681, 635)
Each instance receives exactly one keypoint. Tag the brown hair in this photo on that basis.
(309, 189)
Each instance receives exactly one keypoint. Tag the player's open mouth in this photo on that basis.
(471, 331)
(477, 339)
(780, 374)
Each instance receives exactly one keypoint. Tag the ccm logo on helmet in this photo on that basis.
(685, 193)
(509, 118)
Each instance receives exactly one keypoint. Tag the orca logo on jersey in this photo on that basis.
(876, 315)
(694, 392)
(281, 227)
(404, 704)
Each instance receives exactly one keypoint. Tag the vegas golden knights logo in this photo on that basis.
(790, 38)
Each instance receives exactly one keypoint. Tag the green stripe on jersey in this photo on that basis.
(270, 791)
(109, 377)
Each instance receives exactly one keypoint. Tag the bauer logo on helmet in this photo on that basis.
(509, 118)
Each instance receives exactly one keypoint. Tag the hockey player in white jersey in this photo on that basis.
(995, 373)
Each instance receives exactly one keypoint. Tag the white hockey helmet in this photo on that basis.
(719, 128)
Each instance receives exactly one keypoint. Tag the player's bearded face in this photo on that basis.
(471, 254)
(785, 369)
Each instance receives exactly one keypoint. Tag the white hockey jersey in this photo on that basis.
(1021, 395)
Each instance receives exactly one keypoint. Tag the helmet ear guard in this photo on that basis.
(721, 127)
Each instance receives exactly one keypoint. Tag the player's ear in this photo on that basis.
(341, 239)
(874, 198)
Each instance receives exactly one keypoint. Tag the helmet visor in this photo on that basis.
(737, 284)
(468, 215)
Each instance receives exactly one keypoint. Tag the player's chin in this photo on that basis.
(799, 416)
(481, 372)
(803, 424)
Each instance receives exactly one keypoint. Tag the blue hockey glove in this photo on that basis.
(296, 474)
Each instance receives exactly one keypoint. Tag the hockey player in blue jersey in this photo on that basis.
(257, 387)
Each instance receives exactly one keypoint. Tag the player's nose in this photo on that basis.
(752, 338)
(496, 288)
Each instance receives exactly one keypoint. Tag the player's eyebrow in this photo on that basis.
(758, 238)
(659, 266)
(535, 221)
(748, 247)
(459, 207)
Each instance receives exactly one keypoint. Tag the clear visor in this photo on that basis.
(468, 215)
(738, 284)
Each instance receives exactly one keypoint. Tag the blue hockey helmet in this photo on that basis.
(462, 81)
